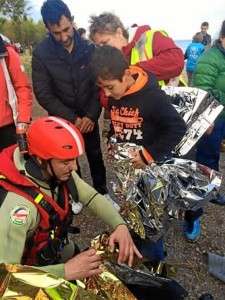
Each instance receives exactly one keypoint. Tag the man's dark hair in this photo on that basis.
(53, 10)
(108, 63)
(205, 24)
(81, 30)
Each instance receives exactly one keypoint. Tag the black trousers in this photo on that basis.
(7, 136)
(95, 160)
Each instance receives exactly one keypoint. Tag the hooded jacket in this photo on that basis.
(192, 54)
(62, 82)
(21, 86)
(145, 116)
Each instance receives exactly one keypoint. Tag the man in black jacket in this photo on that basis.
(63, 85)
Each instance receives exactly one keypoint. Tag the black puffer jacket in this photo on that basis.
(62, 82)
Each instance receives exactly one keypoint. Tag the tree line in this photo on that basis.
(16, 24)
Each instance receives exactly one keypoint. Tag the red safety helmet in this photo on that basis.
(53, 137)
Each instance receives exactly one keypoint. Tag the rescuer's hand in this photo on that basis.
(127, 248)
(83, 265)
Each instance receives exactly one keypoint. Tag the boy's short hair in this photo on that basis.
(53, 10)
(108, 63)
(198, 37)
(205, 24)
(81, 30)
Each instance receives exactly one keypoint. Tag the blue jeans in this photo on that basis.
(208, 147)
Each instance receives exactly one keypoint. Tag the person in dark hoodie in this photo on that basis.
(140, 113)
(152, 50)
(64, 88)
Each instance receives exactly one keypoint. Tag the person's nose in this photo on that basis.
(64, 37)
(107, 92)
(73, 165)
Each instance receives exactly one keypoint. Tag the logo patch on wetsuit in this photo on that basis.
(20, 214)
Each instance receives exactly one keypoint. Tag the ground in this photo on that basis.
(188, 258)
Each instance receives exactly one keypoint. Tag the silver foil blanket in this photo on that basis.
(198, 108)
(149, 197)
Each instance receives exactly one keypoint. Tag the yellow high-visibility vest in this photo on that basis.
(143, 50)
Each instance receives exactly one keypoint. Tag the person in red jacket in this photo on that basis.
(10, 60)
(152, 50)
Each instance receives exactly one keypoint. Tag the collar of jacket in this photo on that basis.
(32, 168)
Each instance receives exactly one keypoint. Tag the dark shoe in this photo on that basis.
(191, 230)
(219, 199)
(206, 296)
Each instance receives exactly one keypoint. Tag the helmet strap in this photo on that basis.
(54, 180)
(43, 164)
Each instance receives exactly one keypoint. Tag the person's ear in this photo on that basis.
(127, 72)
(119, 32)
(39, 160)
(127, 75)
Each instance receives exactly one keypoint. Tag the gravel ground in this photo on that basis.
(192, 271)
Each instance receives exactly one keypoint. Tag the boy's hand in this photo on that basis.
(109, 148)
(137, 161)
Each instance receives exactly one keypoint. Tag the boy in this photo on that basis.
(140, 110)
(140, 113)
(192, 54)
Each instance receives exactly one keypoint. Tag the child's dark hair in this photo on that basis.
(81, 30)
(53, 10)
(205, 24)
(108, 63)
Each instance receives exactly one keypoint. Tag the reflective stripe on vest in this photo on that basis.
(143, 50)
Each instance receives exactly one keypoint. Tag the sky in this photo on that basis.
(180, 19)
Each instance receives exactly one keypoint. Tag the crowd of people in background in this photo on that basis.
(73, 80)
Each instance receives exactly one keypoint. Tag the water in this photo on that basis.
(182, 44)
